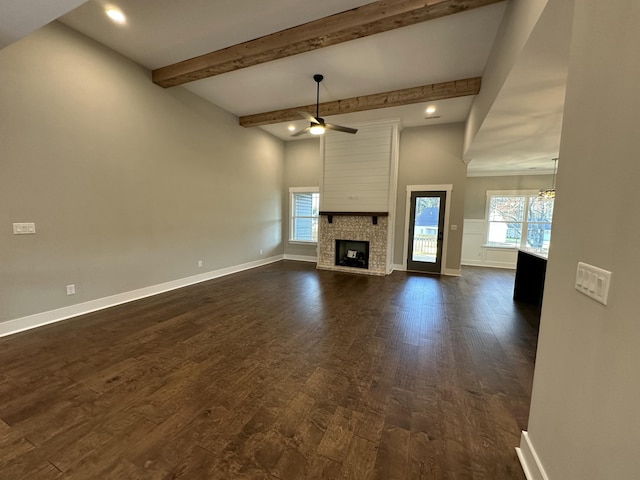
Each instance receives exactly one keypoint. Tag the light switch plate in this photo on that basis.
(593, 282)
(24, 228)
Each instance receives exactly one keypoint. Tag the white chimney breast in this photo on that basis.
(356, 170)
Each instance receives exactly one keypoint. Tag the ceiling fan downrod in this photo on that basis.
(318, 78)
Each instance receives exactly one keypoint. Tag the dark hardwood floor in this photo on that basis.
(281, 372)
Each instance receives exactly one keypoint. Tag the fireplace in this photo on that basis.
(352, 253)
(353, 242)
(358, 195)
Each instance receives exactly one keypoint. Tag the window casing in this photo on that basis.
(303, 221)
(519, 219)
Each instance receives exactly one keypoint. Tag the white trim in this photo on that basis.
(489, 264)
(399, 268)
(529, 459)
(40, 319)
(509, 173)
(516, 193)
(507, 248)
(304, 189)
(393, 193)
(479, 255)
(447, 210)
(419, 188)
(292, 192)
(301, 258)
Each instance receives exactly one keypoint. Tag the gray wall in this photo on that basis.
(129, 184)
(584, 419)
(432, 155)
(475, 205)
(428, 155)
(303, 167)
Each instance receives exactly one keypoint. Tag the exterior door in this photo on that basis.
(426, 231)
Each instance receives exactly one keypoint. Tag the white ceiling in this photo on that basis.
(162, 32)
(18, 18)
(522, 131)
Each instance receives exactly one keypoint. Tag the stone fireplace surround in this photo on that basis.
(367, 227)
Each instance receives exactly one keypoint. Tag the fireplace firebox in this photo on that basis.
(352, 253)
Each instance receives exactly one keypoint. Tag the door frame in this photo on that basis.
(448, 188)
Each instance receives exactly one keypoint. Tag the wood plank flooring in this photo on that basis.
(281, 372)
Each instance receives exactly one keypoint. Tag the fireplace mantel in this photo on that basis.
(374, 215)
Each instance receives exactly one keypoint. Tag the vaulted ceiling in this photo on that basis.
(385, 59)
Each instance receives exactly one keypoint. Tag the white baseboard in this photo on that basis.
(40, 319)
(484, 263)
(529, 459)
(399, 267)
(301, 258)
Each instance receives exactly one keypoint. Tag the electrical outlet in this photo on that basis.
(260, 251)
(199, 263)
(71, 289)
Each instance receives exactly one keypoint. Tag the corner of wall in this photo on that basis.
(529, 459)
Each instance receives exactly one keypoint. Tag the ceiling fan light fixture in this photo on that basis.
(317, 126)
(317, 130)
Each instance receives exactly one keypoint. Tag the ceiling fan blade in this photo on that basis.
(340, 128)
(301, 132)
(308, 116)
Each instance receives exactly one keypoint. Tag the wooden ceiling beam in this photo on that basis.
(395, 98)
(359, 22)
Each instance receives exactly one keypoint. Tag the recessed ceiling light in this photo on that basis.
(116, 15)
(291, 128)
(431, 110)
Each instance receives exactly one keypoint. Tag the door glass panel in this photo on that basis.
(425, 229)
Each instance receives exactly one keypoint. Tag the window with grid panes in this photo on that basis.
(519, 219)
(305, 203)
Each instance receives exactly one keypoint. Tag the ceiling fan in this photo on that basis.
(317, 125)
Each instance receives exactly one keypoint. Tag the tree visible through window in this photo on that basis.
(305, 203)
(519, 220)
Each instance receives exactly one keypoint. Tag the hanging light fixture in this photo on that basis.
(550, 192)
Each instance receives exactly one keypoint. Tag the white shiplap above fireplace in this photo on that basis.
(358, 172)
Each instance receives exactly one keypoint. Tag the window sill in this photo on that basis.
(500, 247)
(302, 242)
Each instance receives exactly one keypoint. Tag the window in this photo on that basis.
(305, 203)
(519, 219)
